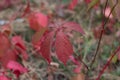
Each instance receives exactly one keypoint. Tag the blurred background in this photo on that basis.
(90, 16)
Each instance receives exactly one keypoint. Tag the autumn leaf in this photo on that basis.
(46, 46)
(8, 3)
(77, 63)
(78, 69)
(37, 21)
(63, 47)
(8, 55)
(17, 41)
(3, 77)
(20, 46)
(38, 35)
(74, 60)
(74, 26)
(92, 4)
(4, 44)
(16, 68)
(73, 4)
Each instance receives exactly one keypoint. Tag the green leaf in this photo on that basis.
(114, 60)
(37, 36)
(92, 4)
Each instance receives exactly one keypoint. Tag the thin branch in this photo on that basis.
(102, 31)
(105, 6)
(107, 64)
(78, 58)
(85, 65)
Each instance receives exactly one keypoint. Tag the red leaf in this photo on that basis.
(8, 3)
(37, 21)
(8, 55)
(16, 67)
(74, 26)
(78, 69)
(73, 4)
(20, 46)
(24, 54)
(4, 44)
(76, 62)
(46, 46)
(17, 41)
(3, 77)
(63, 47)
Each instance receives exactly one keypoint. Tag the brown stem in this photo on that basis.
(84, 64)
(105, 6)
(107, 64)
(101, 34)
(79, 59)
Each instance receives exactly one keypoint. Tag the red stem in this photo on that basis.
(107, 64)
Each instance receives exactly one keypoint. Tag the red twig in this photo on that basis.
(107, 64)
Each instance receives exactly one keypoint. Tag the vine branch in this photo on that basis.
(107, 64)
(102, 31)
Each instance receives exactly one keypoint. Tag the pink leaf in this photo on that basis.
(46, 46)
(3, 77)
(20, 46)
(8, 55)
(73, 4)
(76, 62)
(63, 47)
(17, 41)
(16, 67)
(37, 21)
(24, 54)
(74, 26)
(4, 44)
(78, 69)
(107, 12)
